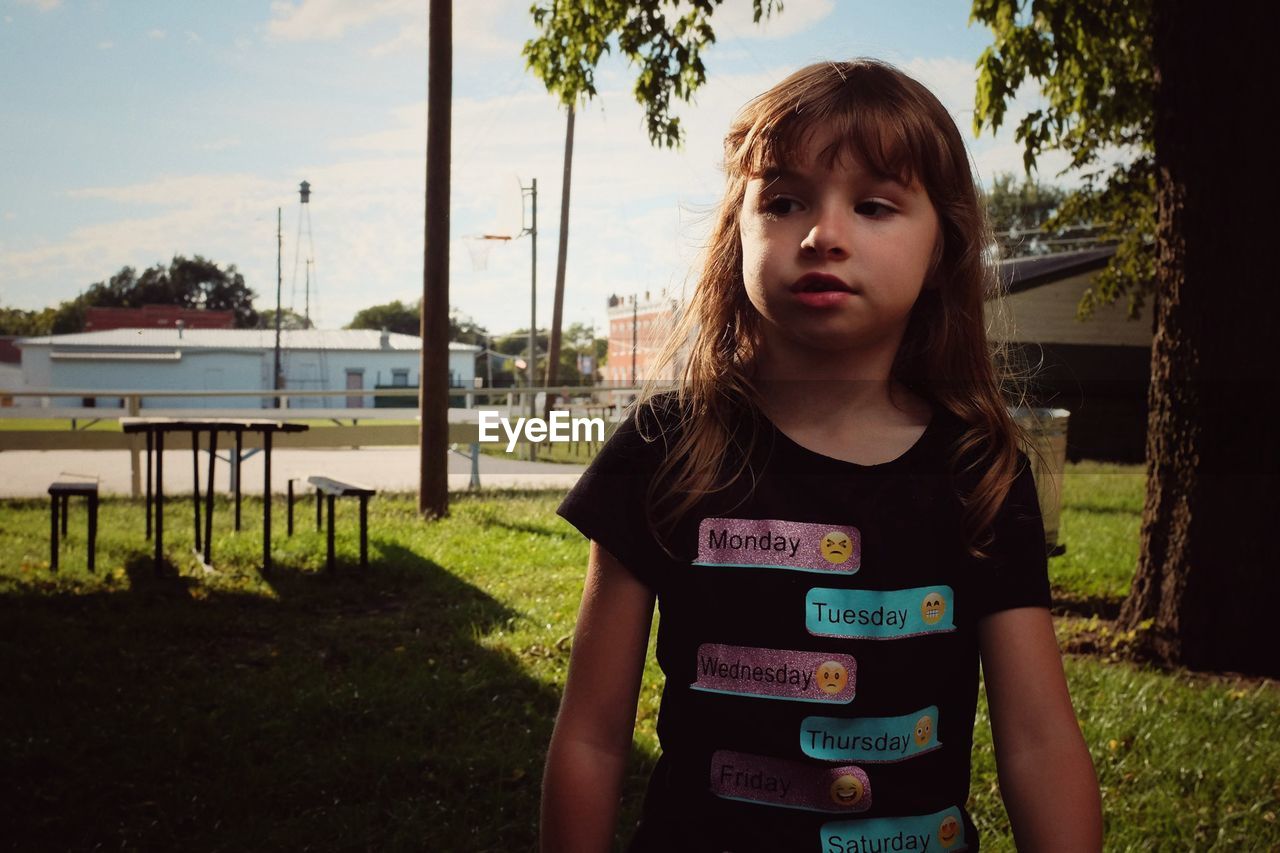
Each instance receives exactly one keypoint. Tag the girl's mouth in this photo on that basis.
(819, 290)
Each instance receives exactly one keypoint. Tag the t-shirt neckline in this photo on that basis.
(907, 455)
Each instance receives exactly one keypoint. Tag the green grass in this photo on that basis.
(570, 453)
(109, 423)
(409, 708)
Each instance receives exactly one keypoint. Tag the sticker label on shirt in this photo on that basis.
(870, 740)
(941, 831)
(776, 673)
(789, 784)
(879, 614)
(769, 543)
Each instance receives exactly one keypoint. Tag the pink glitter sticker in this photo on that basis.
(796, 545)
(789, 784)
(823, 677)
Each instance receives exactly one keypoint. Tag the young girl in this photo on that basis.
(833, 515)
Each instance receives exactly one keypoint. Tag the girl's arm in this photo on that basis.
(592, 738)
(1046, 775)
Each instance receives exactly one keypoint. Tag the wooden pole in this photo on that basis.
(433, 379)
(557, 308)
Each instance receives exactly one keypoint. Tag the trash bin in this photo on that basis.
(1047, 431)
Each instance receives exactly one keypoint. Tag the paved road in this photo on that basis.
(28, 473)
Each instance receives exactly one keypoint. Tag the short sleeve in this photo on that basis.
(1017, 572)
(608, 503)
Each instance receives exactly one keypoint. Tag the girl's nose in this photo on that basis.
(828, 237)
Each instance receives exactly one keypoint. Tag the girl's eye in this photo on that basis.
(780, 206)
(874, 209)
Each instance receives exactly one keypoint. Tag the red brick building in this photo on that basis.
(157, 317)
(638, 328)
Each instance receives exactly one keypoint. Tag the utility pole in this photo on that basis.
(275, 374)
(433, 391)
(557, 311)
(532, 231)
(635, 335)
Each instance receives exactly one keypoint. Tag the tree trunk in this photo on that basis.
(433, 378)
(1208, 575)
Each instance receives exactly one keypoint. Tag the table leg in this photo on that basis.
(208, 500)
(289, 503)
(235, 473)
(195, 482)
(150, 443)
(93, 528)
(54, 500)
(364, 531)
(65, 500)
(329, 500)
(318, 504)
(266, 501)
(159, 505)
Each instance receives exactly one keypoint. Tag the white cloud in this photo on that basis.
(41, 5)
(323, 20)
(734, 19)
(106, 45)
(9, 216)
(156, 34)
(476, 24)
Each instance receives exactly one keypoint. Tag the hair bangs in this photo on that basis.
(857, 120)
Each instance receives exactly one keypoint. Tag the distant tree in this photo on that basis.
(398, 317)
(464, 330)
(1022, 206)
(194, 283)
(1024, 217)
(289, 319)
(15, 321)
(393, 316)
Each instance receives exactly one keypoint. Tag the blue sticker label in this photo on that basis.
(871, 740)
(879, 614)
(941, 831)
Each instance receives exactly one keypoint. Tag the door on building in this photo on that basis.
(355, 382)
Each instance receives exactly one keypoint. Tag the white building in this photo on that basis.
(231, 360)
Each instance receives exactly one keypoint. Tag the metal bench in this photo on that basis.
(60, 493)
(327, 490)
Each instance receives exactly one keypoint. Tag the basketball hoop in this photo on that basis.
(478, 248)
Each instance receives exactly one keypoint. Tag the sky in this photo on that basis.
(136, 130)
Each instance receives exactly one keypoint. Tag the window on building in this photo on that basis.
(400, 377)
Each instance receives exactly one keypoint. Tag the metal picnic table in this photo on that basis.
(156, 429)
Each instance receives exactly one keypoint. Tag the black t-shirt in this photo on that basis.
(818, 637)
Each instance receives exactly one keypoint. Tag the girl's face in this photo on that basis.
(834, 257)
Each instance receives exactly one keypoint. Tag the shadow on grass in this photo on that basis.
(355, 710)
(1086, 606)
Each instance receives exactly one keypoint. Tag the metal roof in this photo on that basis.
(1021, 274)
(241, 339)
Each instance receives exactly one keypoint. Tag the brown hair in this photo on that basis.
(893, 125)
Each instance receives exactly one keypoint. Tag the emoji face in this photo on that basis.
(948, 831)
(923, 730)
(836, 547)
(832, 677)
(932, 608)
(846, 790)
